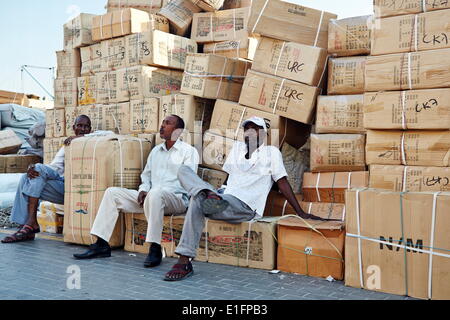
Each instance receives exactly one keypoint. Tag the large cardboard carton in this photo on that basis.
(311, 248)
(233, 4)
(290, 99)
(50, 217)
(17, 163)
(113, 54)
(124, 22)
(9, 142)
(228, 116)
(425, 31)
(290, 60)
(66, 93)
(55, 123)
(215, 150)
(337, 152)
(244, 48)
(386, 8)
(158, 48)
(196, 112)
(346, 75)
(87, 90)
(117, 118)
(92, 165)
(414, 109)
(51, 147)
(179, 13)
(215, 178)
(14, 97)
(221, 25)
(144, 115)
(340, 114)
(209, 5)
(152, 6)
(91, 59)
(78, 31)
(406, 256)
(68, 63)
(403, 71)
(213, 76)
(290, 22)
(412, 148)
(350, 36)
(107, 87)
(409, 179)
(330, 187)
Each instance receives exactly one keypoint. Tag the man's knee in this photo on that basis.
(112, 191)
(39, 167)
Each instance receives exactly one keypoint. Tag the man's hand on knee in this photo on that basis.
(141, 198)
(31, 172)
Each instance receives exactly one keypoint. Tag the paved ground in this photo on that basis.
(38, 270)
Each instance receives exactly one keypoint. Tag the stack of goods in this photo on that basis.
(407, 116)
(10, 160)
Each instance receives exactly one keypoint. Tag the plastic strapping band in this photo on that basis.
(221, 77)
(349, 181)
(343, 213)
(404, 127)
(405, 173)
(310, 208)
(430, 261)
(409, 71)
(317, 187)
(239, 123)
(402, 146)
(279, 58)
(318, 29)
(424, 5)
(116, 123)
(238, 48)
(101, 26)
(284, 208)
(215, 46)
(278, 96)
(358, 224)
(260, 15)
(248, 240)
(211, 25)
(416, 32)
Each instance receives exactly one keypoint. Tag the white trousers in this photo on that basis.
(157, 204)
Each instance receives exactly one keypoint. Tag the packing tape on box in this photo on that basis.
(318, 28)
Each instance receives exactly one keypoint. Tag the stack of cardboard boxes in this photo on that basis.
(399, 226)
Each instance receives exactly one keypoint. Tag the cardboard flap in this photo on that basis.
(320, 225)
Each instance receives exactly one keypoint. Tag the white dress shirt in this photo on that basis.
(162, 167)
(250, 180)
(58, 162)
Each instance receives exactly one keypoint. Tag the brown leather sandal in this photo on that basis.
(179, 272)
(26, 233)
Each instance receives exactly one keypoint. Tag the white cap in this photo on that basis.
(256, 120)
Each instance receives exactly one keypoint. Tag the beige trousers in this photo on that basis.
(157, 204)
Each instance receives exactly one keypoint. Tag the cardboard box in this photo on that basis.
(233, 4)
(409, 179)
(179, 13)
(50, 217)
(152, 6)
(55, 123)
(215, 178)
(146, 82)
(290, 60)
(277, 205)
(350, 36)
(412, 148)
(228, 116)
(144, 115)
(70, 113)
(215, 150)
(414, 109)
(9, 142)
(113, 54)
(209, 5)
(117, 118)
(408, 255)
(66, 93)
(317, 252)
(330, 187)
(346, 75)
(196, 112)
(51, 148)
(107, 87)
(340, 114)
(87, 90)
(244, 48)
(91, 59)
(17, 163)
(337, 152)
(92, 165)
(213, 76)
(68, 63)
(158, 48)
(78, 31)
(224, 25)
(123, 22)
(290, 99)
(425, 31)
(403, 71)
(383, 8)
(14, 97)
(290, 22)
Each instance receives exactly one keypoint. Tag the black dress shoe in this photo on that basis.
(95, 251)
(154, 256)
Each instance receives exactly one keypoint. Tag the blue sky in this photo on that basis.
(31, 32)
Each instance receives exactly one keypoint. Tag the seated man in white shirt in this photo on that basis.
(252, 167)
(42, 182)
(160, 193)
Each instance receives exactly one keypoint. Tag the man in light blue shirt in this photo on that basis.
(159, 194)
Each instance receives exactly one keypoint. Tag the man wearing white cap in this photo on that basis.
(253, 167)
